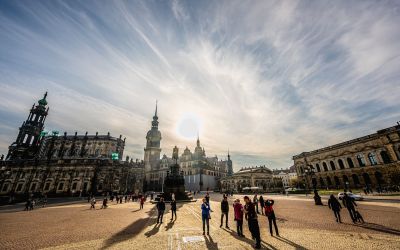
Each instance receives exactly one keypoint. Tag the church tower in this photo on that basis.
(28, 140)
(230, 166)
(152, 150)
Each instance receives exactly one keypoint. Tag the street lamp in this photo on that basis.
(309, 171)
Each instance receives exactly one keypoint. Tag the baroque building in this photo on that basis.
(38, 163)
(370, 161)
(200, 172)
(250, 177)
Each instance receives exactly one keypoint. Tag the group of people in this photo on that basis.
(32, 202)
(249, 211)
(349, 203)
(161, 209)
(118, 198)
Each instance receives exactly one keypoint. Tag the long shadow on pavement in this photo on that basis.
(128, 232)
(210, 244)
(376, 227)
(289, 242)
(251, 242)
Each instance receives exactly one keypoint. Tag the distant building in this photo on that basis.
(369, 161)
(55, 165)
(285, 175)
(200, 172)
(261, 177)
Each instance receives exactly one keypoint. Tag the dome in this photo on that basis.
(153, 134)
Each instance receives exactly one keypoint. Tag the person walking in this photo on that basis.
(27, 205)
(224, 211)
(205, 216)
(104, 206)
(161, 209)
(208, 198)
(32, 204)
(251, 217)
(255, 201)
(269, 212)
(173, 209)
(261, 200)
(141, 202)
(334, 204)
(349, 203)
(92, 203)
(173, 196)
(238, 211)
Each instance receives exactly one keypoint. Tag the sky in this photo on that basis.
(265, 80)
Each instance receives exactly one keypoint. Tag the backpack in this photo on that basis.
(268, 210)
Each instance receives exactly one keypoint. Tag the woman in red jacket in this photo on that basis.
(238, 209)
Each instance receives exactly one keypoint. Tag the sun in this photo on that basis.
(189, 126)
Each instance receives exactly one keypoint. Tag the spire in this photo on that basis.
(155, 114)
(198, 140)
(43, 102)
(154, 123)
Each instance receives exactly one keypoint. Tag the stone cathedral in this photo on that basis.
(201, 172)
(40, 163)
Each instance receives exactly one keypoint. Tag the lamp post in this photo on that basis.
(309, 172)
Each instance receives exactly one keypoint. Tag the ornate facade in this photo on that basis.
(368, 161)
(65, 165)
(261, 177)
(200, 172)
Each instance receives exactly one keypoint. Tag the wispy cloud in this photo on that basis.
(268, 79)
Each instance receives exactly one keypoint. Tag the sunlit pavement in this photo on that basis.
(302, 225)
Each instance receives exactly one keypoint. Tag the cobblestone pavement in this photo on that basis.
(302, 225)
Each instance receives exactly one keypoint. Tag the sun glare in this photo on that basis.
(189, 126)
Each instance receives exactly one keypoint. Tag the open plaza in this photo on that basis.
(70, 224)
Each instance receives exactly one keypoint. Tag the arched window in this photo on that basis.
(361, 161)
(350, 162)
(325, 166)
(321, 182)
(385, 157)
(372, 158)
(328, 179)
(341, 165)
(356, 180)
(333, 167)
(318, 168)
(379, 178)
(367, 179)
(337, 181)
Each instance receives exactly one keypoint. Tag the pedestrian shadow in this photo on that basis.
(153, 231)
(210, 244)
(251, 242)
(289, 242)
(281, 220)
(128, 232)
(170, 225)
(136, 210)
(376, 227)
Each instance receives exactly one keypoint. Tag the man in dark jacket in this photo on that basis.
(261, 200)
(161, 209)
(349, 203)
(224, 211)
(334, 204)
(173, 209)
(251, 217)
(269, 212)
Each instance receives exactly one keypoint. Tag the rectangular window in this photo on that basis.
(33, 187)
(19, 187)
(60, 186)
(74, 186)
(85, 186)
(5, 188)
(47, 186)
